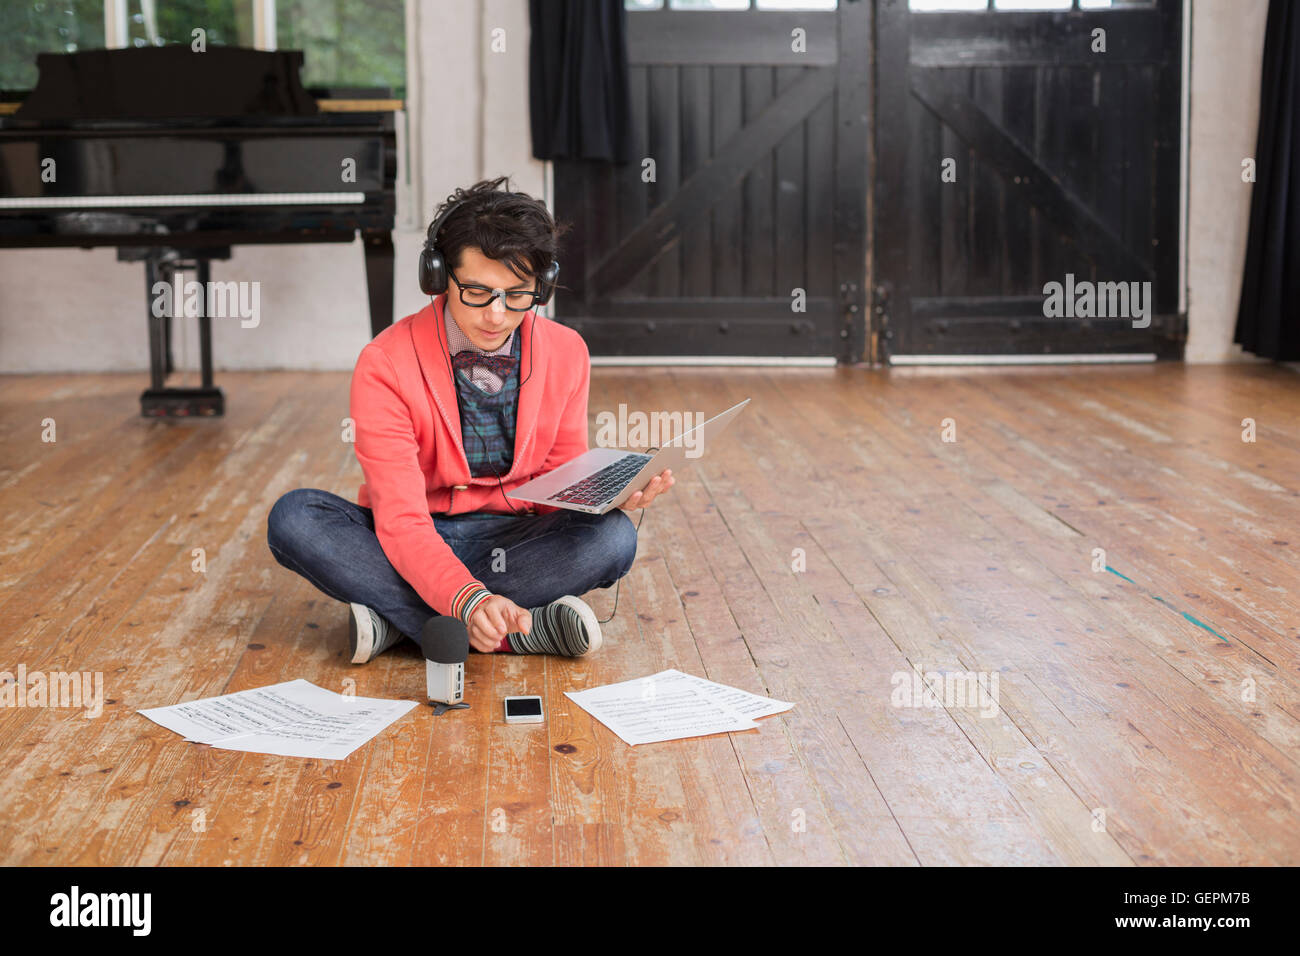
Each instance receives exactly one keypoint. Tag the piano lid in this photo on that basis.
(167, 82)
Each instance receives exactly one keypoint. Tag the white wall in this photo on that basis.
(1227, 56)
(76, 310)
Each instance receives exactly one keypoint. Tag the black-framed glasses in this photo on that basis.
(479, 296)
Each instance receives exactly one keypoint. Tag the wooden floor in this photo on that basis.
(1126, 730)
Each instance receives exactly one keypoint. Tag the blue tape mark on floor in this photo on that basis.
(1206, 626)
(1113, 571)
(1199, 624)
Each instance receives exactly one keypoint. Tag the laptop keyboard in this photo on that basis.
(597, 488)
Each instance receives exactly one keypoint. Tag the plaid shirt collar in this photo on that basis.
(458, 341)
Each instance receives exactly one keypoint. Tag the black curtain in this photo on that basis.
(1268, 316)
(578, 87)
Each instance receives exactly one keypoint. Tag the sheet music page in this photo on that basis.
(741, 701)
(671, 705)
(292, 719)
(329, 738)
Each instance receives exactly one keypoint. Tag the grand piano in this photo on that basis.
(175, 156)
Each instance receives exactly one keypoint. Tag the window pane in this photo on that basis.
(1033, 4)
(929, 6)
(346, 42)
(643, 4)
(794, 4)
(29, 27)
(223, 22)
(708, 4)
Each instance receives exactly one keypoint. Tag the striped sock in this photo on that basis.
(566, 627)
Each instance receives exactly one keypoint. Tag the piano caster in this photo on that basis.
(182, 402)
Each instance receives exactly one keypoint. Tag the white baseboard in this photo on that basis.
(732, 360)
(1101, 359)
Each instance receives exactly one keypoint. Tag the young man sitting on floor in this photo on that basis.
(455, 406)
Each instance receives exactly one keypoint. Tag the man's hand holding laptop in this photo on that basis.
(658, 485)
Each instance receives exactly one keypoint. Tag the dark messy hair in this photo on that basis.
(511, 227)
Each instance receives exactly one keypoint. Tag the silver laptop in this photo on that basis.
(604, 478)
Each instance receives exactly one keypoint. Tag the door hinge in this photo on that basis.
(849, 301)
(880, 310)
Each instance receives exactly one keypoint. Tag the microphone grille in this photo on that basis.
(444, 640)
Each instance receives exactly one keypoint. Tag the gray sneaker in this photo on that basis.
(369, 633)
(566, 627)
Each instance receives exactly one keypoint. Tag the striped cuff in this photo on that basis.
(467, 599)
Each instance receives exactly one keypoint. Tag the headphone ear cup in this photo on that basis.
(549, 278)
(433, 272)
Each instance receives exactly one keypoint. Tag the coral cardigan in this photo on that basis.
(408, 439)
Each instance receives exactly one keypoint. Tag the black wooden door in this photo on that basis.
(750, 240)
(1066, 157)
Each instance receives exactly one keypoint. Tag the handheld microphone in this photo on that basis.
(445, 643)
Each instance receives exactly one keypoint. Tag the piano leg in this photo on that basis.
(379, 279)
(168, 323)
(159, 400)
(157, 325)
(205, 328)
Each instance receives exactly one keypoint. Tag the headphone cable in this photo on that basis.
(500, 484)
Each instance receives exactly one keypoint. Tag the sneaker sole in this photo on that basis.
(360, 636)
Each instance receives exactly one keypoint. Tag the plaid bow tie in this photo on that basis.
(500, 365)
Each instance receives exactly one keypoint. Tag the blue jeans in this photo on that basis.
(332, 543)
